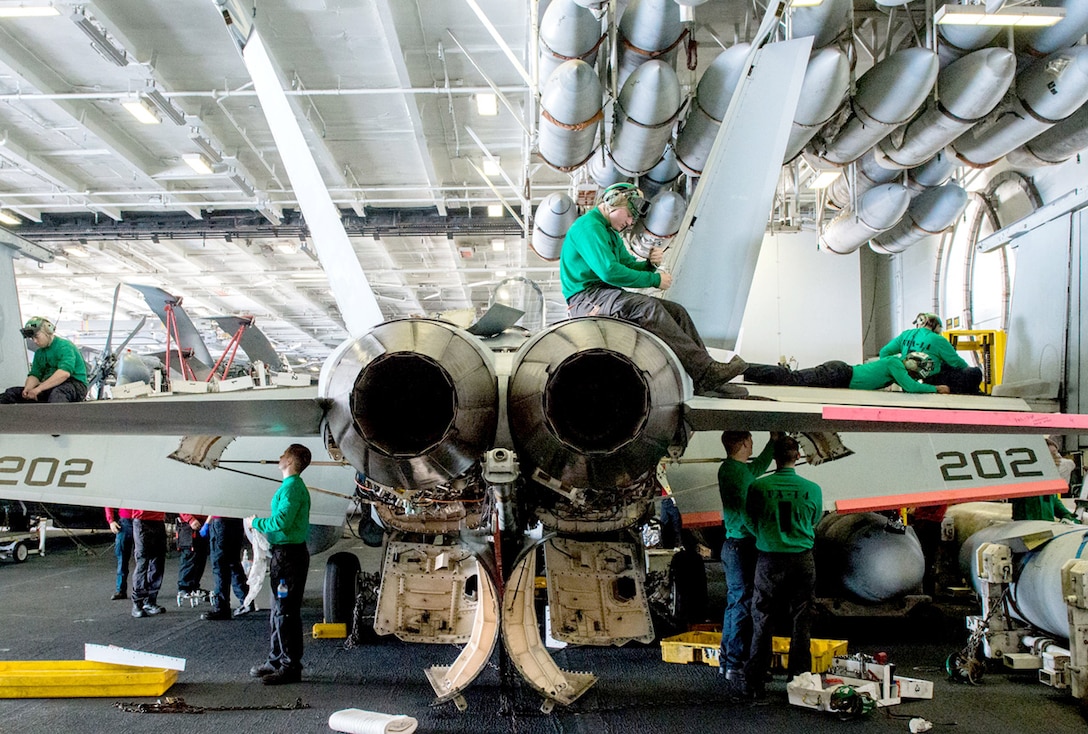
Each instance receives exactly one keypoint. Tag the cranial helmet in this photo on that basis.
(35, 324)
(619, 194)
(929, 321)
(919, 365)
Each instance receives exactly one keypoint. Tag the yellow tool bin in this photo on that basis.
(692, 647)
(822, 653)
(81, 679)
(989, 345)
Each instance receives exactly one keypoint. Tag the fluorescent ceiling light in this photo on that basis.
(101, 42)
(197, 162)
(76, 252)
(498, 245)
(9, 219)
(494, 210)
(492, 167)
(824, 179)
(1016, 16)
(806, 3)
(142, 110)
(24, 10)
(165, 106)
(289, 248)
(487, 104)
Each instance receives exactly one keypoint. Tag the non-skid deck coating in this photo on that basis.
(51, 606)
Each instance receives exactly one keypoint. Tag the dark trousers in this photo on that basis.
(149, 542)
(785, 584)
(227, 538)
(122, 548)
(828, 374)
(69, 391)
(929, 537)
(963, 381)
(739, 562)
(192, 559)
(288, 566)
(668, 321)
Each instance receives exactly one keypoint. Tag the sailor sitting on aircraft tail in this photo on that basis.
(595, 268)
(58, 373)
(905, 372)
(949, 368)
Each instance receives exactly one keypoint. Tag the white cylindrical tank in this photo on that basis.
(645, 113)
(933, 172)
(824, 22)
(827, 79)
(1036, 592)
(570, 112)
(663, 175)
(871, 557)
(886, 97)
(648, 30)
(1048, 91)
(567, 31)
(868, 173)
(969, 90)
(712, 97)
(553, 218)
(931, 212)
(1056, 145)
(603, 171)
(1039, 42)
(879, 209)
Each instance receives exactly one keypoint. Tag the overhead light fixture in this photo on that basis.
(1020, 16)
(205, 145)
(492, 167)
(28, 10)
(286, 248)
(99, 40)
(498, 244)
(824, 179)
(487, 104)
(165, 106)
(494, 210)
(76, 252)
(238, 180)
(9, 219)
(806, 3)
(198, 163)
(142, 110)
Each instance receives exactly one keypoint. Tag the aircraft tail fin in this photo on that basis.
(13, 364)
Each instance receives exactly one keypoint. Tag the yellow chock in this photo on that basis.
(330, 631)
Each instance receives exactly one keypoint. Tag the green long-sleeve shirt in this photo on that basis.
(784, 509)
(925, 340)
(61, 354)
(594, 253)
(734, 478)
(1041, 507)
(883, 372)
(290, 519)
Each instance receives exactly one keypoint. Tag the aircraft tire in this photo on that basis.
(19, 553)
(339, 592)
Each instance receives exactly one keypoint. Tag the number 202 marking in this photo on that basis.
(41, 471)
(987, 464)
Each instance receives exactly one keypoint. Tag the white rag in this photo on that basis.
(357, 721)
(262, 556)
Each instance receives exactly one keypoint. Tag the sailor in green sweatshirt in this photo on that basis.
(949, 368)
(905, 372)
(286, 529)
(783, 509)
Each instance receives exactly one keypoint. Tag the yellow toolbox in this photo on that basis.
(81, 679)
(822, 653)
(692, 647)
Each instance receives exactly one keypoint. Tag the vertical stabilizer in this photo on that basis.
(13, 364)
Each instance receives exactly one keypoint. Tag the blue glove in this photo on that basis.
(204, 530)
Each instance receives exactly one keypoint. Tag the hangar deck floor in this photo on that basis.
(54, 604)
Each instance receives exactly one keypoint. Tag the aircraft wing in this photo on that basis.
(158, 299)
(285, 411)
(804, 409)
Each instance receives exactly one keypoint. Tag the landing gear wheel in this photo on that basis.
(20, 552)
(340, 589)
(961, 669)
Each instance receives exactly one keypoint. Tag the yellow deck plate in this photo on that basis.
(81, 679)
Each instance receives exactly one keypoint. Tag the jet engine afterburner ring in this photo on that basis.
(410, 404)
(596, 401)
